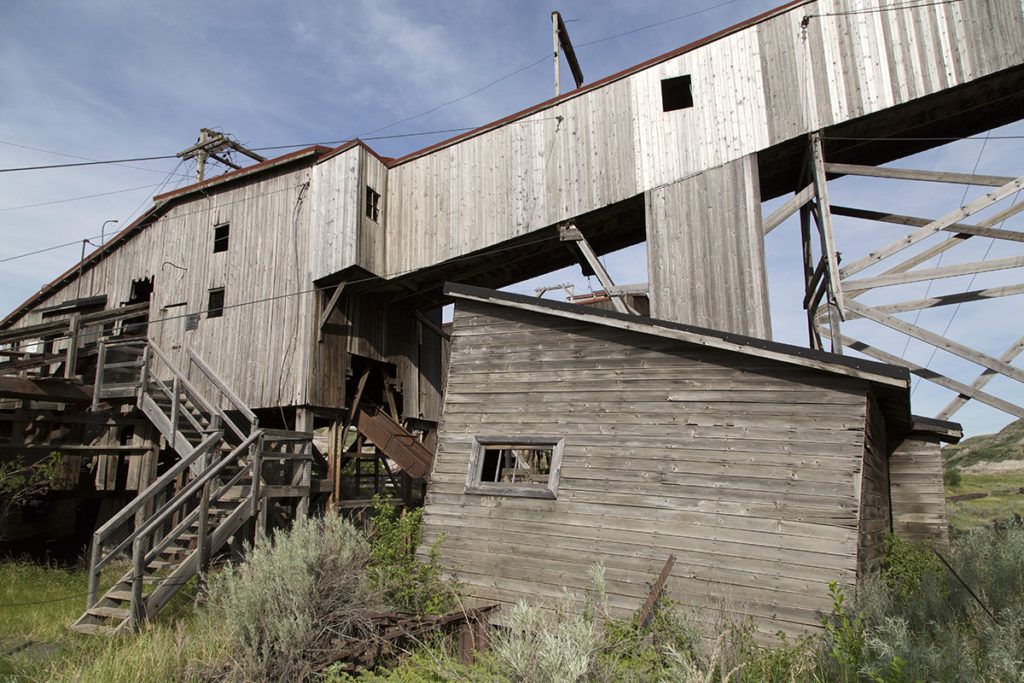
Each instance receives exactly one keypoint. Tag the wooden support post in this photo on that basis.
(175, 406)
(97, 388)
(138, 605)
(336, 492)
(797, 201)
(71, 358)
(304, 423)
(203, 538)
(256, 462)
(824, 214)
(94, 574)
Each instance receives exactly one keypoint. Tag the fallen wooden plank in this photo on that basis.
(647, 609)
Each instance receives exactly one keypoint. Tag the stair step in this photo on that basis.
(122, 595)
(94, 629)
(163, 564)
(109, 612)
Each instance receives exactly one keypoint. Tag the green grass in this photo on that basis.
(38, 603)
(1002, 501)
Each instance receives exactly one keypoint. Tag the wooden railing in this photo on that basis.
(120, 531)
(69, 336)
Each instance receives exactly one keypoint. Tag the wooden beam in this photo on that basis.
(788, 209)
(431, 326)
(571, 233)
(50, 389)
(562, 35)
(867, 283)
(913, 174)
(328, 309)
(947, 299)
(984, 378)
(935, 377)
(933, 227)
(913, 221)
(828, 237)
(939, 341)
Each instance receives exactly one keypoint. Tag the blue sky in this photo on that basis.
(112, 79)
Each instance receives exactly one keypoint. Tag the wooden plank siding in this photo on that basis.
(746, 469)
(705, 253)
(259, 349)
(875, 509)
(918, 497)
(753, 88)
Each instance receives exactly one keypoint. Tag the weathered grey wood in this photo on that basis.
(947, 299)
(329, 308)
(71, 360)
(937, 378)
(918, 505)
(757, 496)
(864, 284)
(961, 228)
(791, 206)
(939, 341)
(912, 174)
(828, 240)
(935, 226)
(984, 378)
(573, 234)
(703, 232)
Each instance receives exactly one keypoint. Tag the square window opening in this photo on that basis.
(372, 204)
(215, 304)
(524, 466)
(220, 237)
(676, 93)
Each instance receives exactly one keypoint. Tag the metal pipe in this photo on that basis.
(103, 231)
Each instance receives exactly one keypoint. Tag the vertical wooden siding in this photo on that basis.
(752, 89)
(875, 513)
(259, 349)
(918, 497)
(746, 470)
(705, 252)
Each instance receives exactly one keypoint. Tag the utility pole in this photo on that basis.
(212, 145)
(560, 41)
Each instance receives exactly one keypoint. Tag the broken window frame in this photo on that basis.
(372, 204)
(221, 237)
(481, 444)
(213, 311)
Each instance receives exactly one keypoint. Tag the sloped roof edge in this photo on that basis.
(871, 371)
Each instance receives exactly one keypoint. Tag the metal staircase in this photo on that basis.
(229, 470)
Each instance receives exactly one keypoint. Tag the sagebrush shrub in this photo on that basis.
(299, 595)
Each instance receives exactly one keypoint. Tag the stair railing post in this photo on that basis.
(94, 574)
(204, 521)
(71, 359)
(175, 390)
(256, 463)
(138, 607)
(101, 361)
(144, 375)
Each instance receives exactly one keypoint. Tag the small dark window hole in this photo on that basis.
(215, 306)
(676, 93)
(220, 237)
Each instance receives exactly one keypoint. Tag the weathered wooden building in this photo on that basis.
(574, 437)
(295, 292)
